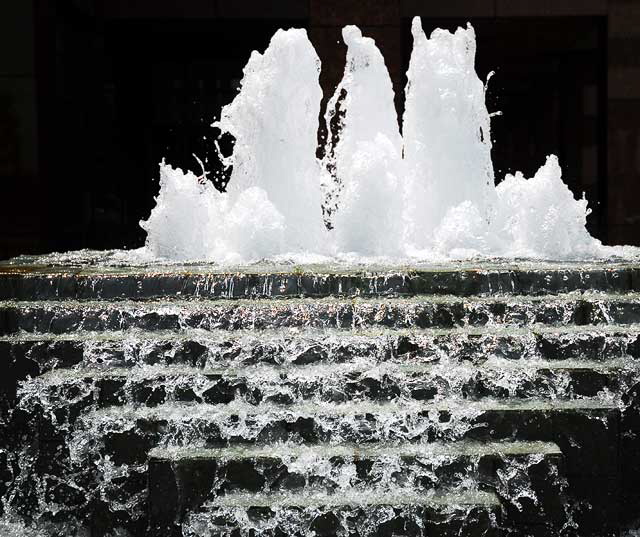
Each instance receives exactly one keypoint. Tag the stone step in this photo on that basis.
(585, 429)
(281, 467)
(31, 354)
(104, 456)
(29, 281)
(375, 513)
(437, 312)
(320, 397)
(300, 346)
(182, 479)
(360, 380)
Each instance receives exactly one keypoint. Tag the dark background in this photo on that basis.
(94, 93)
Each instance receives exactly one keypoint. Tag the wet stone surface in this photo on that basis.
(191, 401)
(43, 279)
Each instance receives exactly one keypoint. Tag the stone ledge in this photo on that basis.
(32, 282)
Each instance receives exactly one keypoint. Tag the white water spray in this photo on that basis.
(366, 160)
(428, 195)
(446, 134)
(273, 202)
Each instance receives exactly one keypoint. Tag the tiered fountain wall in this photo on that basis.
(497, 399)
(373, 393)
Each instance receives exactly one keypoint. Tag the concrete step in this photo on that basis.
(28, 281)
(59, 317)
(31, 354)
(391, 400)
(375, 513)
(585, 429)
(281, 467)
(182, 479)
(300, 346)
(105, 455)
(362, 380)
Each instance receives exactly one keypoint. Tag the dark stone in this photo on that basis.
(164, 499)
(599, 444)
(128, 447)
(405, 345)
(311, 355)
(244, 475)
(595, 505)
(325, 525)
(191, 352)
(424, 393)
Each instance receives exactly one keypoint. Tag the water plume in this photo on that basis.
(365, 156)
(273, 202)
(447, 141)
(428, 195)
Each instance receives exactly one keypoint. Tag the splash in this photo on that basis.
(447, 140)
(425, 195)
(273, 202)
(364, 157)
(532, 218)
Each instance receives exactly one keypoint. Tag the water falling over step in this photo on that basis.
(185, 400)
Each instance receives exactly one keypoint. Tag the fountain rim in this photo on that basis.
(86, 263)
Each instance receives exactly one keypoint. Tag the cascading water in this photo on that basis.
(466, 400)
(428, 194)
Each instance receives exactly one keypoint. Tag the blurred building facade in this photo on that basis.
(94, 93)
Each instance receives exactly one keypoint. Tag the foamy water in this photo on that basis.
(427, 194)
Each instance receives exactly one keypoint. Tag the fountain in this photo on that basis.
(426, 195)
(378, 342)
